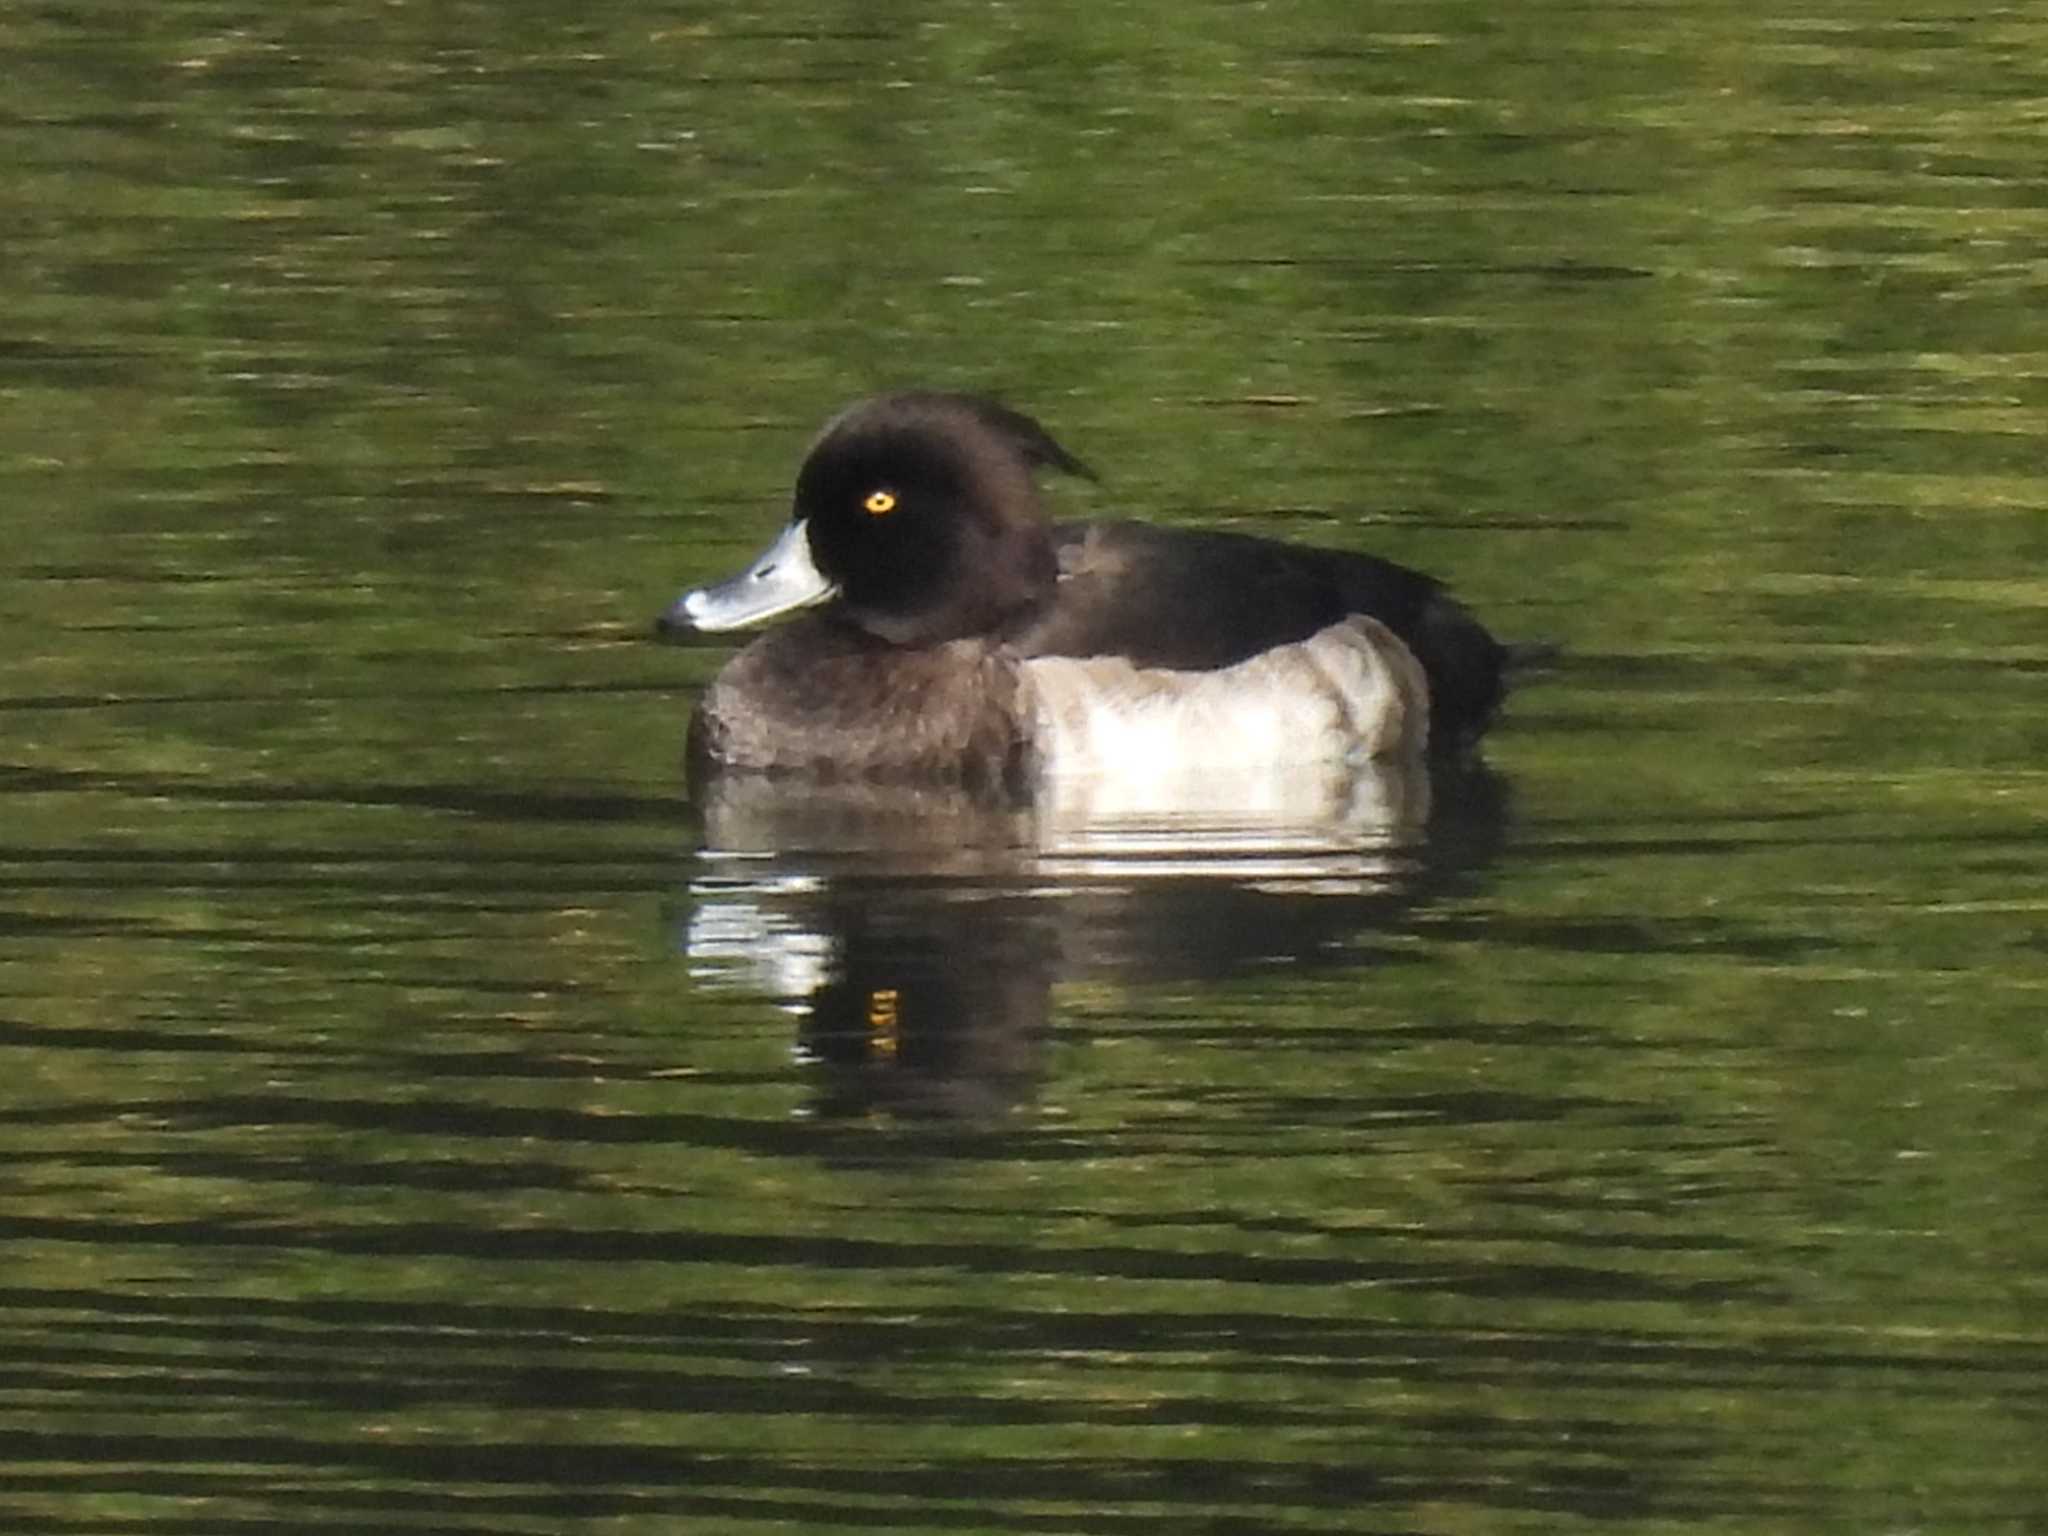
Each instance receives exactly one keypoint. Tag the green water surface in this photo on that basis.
(400, 1129)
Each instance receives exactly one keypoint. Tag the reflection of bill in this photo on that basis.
(918, 931)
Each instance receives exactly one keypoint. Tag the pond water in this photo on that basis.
(419, 1115)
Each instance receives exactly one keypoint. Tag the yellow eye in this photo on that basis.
(880, 503)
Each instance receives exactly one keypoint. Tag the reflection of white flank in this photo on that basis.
(1348, 824)
(1351, 823)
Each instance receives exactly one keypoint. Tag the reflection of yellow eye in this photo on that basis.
(885, 1021)
(880, 503)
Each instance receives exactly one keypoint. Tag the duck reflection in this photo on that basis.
(918, 932)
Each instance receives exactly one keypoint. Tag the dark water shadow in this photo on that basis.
(917, 934)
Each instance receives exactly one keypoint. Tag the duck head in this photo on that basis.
(917, 514)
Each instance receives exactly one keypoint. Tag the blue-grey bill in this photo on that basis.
(781, 581)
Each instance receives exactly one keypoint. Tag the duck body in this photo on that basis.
(953, 633)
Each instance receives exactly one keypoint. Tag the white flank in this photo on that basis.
(1349, 693)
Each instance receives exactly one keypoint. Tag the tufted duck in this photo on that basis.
(961, 636)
